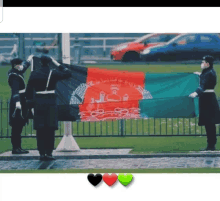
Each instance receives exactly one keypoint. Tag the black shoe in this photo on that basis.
(17, 151)
(42, 157)
(209, 148)
(24, 151)
(49, 157)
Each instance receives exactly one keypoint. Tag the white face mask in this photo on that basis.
(204, 65)
(19, 67)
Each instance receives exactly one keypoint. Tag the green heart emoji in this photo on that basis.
(125, 179)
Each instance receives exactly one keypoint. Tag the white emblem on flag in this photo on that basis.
(77, 96)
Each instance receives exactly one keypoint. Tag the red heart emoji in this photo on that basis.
(109, 179)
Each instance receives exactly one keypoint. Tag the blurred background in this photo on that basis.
(114, 47)
(92, 46)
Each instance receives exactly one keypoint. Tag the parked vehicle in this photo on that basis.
(184, 47)
(130, 51)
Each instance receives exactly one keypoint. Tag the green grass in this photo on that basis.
(142, 127)
(139, 145)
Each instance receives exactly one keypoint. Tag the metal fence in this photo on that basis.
(92, 47)
(117, 128)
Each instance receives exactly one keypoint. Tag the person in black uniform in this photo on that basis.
(43, 81)
(209, 114)
(17, 108)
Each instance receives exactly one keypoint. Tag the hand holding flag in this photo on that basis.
(193, 95)
(197, 73)
(30, 58)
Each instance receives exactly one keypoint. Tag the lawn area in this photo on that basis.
(139, 145)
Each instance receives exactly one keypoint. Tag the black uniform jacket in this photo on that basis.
(17, 84)
(208, 105)
(42, 98)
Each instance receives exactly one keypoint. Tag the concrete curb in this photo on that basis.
(116, 156)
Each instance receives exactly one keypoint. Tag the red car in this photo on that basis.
(131, 51)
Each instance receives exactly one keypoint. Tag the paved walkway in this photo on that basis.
(109, 159)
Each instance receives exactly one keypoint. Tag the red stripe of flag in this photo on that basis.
(112, 94)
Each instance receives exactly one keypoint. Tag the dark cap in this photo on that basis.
(45, 60)
(16, 61)
(208, 59)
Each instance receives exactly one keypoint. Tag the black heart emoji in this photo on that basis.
(94, 179)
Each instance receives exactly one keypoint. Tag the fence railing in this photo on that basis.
(95, 46)
(118, 128)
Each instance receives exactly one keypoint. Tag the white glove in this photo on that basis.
(193, 95)
(197, 73)
(19, 67)
(18, 105)
(32, 110)
(30, 58)
(55, 62)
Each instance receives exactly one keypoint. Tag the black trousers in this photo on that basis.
(45, 140)
(211, 134)
(16, 131)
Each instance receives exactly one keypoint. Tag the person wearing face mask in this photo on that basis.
(17, 108)
(209, 114)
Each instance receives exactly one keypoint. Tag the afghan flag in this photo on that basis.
(95, 94)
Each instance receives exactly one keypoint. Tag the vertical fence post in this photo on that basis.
(183, 127)
(190, 126)
(137, 126)
(154, 126)
(166, 126)
(106, 127)
(101, 127)
(195, 126)
(218, 130)
(89, 128)
(172, 125)
(1, 120)
(118, 127)
(95, 128)
(7, 116)
(125, 123)
(121, 127)
(160, 126)
(178, 125)
(77, 127)
(112, 126)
